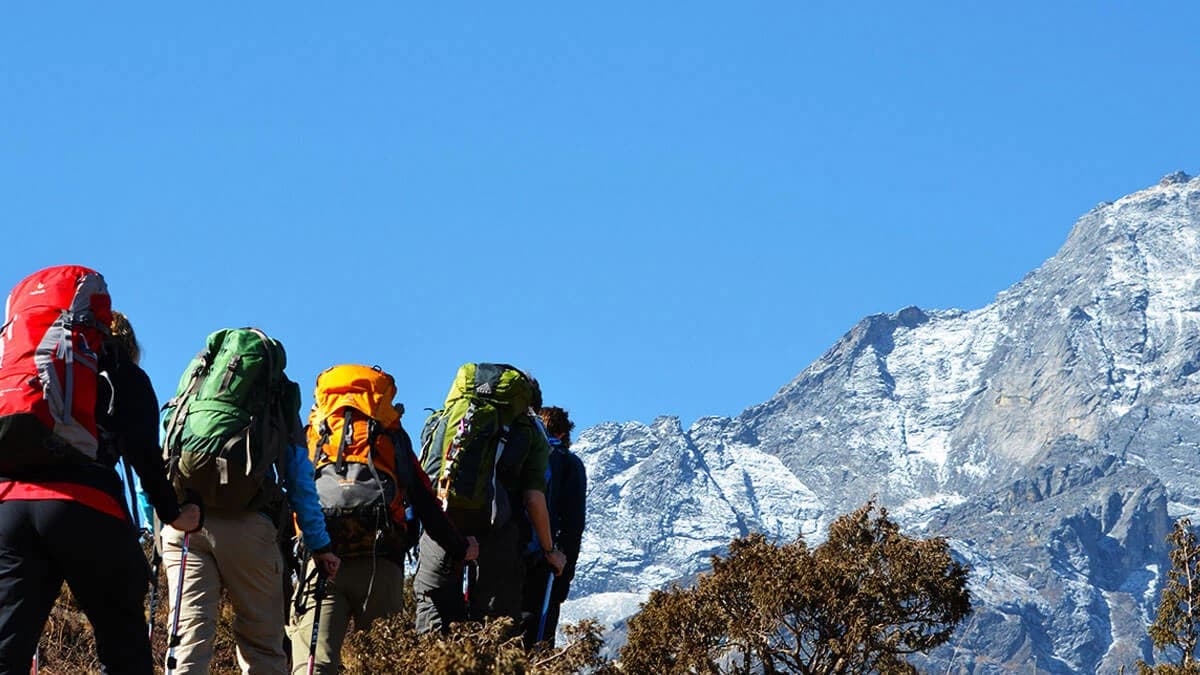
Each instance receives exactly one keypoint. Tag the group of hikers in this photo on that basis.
(304, 527)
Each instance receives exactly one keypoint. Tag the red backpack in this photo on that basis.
(56, 321)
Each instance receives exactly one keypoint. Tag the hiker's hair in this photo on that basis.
(558, 425)
(122, 332)
(536, 401)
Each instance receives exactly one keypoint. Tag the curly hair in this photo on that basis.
(123, 335)
(557, 424)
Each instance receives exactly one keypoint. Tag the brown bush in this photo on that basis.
(392, 646)
(67, 644)
(855, 604)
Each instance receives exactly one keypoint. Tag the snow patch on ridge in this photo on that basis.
(937, 365)
(915, 514)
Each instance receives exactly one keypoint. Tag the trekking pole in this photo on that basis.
(312, 642)
(173, 640)
(155, 570)
(545, 607)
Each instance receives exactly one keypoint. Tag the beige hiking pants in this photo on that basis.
(238, 553)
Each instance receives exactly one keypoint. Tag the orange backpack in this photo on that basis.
(353, 434)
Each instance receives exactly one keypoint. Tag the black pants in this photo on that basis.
(438, 582)
(535, 597)
(43, 543)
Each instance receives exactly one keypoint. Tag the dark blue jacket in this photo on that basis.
(566, 497)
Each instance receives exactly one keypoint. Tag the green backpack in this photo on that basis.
(464, 444)
(230, 421)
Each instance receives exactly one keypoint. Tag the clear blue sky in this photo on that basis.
(657, 210)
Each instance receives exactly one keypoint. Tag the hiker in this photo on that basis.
(484, 454)
(566, 499)
(72, 401)
(232, 434)
(367, 524)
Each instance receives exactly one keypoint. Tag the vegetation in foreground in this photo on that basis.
(858, 603)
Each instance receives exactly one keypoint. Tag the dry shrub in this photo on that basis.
(392, 646)
(67, 645)
(858, 603)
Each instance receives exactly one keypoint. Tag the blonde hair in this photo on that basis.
(122, 332)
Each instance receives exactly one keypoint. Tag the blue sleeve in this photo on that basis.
(302, 495)
(143, 505)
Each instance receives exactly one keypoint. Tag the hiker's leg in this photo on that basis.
(29, 584)
(437, 584)
(252, 567)
(331, 633)
(201, 597)
(379, 587)
(110, 585)
(501, 575)
(532, 596)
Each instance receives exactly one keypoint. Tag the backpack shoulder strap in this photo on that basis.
(404, 457)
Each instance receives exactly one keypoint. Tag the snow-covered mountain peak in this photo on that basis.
(1174, 179)
(1044, 433)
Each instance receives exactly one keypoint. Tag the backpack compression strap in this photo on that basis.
(347, 432)
(181, 401)
(322, 440)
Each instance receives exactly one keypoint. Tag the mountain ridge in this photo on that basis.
(1071, 402)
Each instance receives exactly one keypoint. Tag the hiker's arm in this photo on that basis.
(302, 495)
(429, 511)
(137, 440)
(539, 517)
(573, 503)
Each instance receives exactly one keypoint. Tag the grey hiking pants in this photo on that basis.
(438, 582)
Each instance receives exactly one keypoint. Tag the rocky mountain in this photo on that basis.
(1052, 436)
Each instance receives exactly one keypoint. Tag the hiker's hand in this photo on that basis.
(472, 549)
(328, 562)
(188, 520)
(557, 560)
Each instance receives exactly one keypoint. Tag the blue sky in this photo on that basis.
(656, 210)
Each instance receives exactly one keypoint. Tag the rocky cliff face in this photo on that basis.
(1048, 435)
